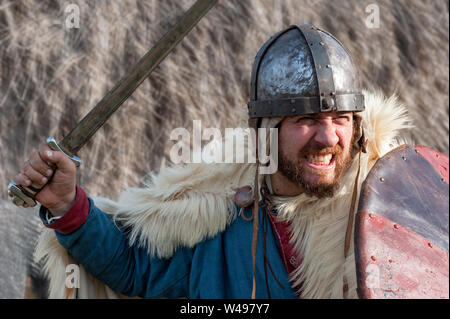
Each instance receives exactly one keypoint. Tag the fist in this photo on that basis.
(44, 165)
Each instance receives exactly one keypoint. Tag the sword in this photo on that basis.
(86, 128)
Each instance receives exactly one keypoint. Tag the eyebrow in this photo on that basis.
(318, 115)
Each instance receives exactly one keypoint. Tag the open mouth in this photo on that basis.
(325, 161)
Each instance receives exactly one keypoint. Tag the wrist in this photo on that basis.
(64, 206)
(73, 218)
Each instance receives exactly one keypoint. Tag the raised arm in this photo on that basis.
(93, 238)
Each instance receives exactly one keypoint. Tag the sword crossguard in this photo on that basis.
(24, 195)
(51, 142)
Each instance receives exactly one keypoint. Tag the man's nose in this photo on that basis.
(326, 135)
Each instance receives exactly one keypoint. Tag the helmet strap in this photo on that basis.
(255, 211)
(253, 124)
(351, 216)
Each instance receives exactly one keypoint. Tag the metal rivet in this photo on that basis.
(293, 110)
(327, 103)
(373, 258)
(328, 66)
(417, 152)
(403, 158)
(430, 245)
(321, 43)
(371, 216)
(381, 179)
(396, 226)
(390, 260)
(442, 179)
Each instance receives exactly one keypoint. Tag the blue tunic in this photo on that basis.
(218, 267)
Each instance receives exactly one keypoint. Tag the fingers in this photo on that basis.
(34, 175)
(22, 179)
(35, 171)
(41, 165)
(61, 160)
(30, 176)
(43, 151)
(38, 163)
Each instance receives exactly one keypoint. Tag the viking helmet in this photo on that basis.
(303, 70)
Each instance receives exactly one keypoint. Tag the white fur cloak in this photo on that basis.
(184, 205)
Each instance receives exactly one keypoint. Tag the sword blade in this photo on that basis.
(83, 131)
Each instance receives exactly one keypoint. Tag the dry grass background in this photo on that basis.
(50, 75)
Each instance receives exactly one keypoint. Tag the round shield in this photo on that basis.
(401, 227)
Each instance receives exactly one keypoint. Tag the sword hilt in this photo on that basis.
(25, 195)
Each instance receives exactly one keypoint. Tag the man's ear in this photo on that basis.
(359, 133)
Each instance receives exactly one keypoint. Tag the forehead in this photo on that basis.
(327, 114)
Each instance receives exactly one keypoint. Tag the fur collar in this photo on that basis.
(183, 205)
(318, 227)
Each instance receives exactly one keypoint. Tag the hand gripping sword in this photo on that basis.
(85, 129)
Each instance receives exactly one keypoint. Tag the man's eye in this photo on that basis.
(305, 119)
(342, 119)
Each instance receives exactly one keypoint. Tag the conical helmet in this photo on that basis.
(303, 70)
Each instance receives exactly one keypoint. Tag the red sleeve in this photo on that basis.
(75, 217)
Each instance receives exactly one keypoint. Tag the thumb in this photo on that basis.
(61, 160)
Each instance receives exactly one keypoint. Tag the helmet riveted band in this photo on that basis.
(322, 65)
(304, 105)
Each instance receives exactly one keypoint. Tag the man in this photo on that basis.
(183, 235)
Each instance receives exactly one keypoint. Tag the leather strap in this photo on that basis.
(362, 143)
(348, 233)
(253, 123)
(351, 215)
(255, 231)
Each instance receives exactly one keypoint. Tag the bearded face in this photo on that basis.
(315, 150)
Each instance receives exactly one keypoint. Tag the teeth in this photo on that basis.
(321, 159)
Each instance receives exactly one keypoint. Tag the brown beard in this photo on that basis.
(295, 170)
